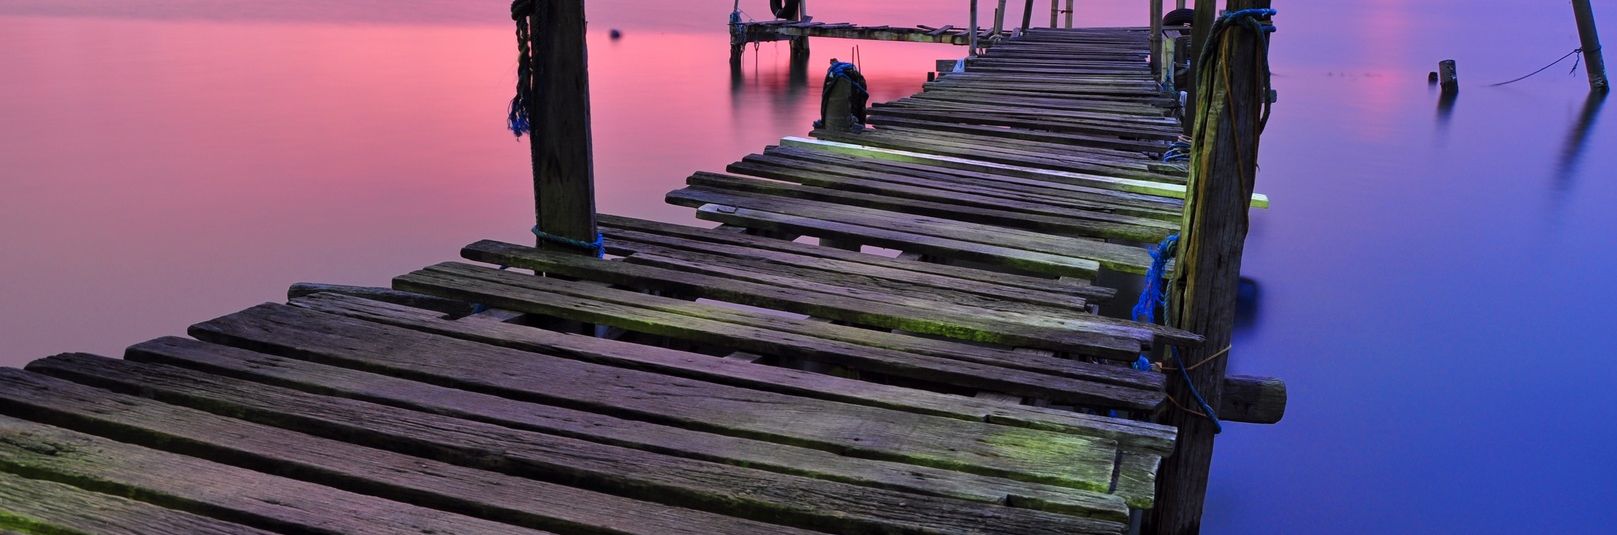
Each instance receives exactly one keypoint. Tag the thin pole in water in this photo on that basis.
(1593, 60)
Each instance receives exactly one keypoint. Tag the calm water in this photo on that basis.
(1432, 282)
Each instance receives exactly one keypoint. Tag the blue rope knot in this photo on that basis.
(598, 246)
(1250, 18)
(1155, 293)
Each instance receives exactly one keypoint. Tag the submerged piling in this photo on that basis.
(1589, 35)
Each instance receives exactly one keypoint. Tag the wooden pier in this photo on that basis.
(772, 374)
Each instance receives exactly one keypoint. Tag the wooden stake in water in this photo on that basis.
(563, 171)
(999, 20)
(1055, 11)
(1027, 16)
(1069, 14)
(1590, 36)
(1448, 74)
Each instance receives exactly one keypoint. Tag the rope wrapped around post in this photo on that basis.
(518, 117)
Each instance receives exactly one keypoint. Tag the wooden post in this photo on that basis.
(1069, 14)
(1206, 13)
(973, 28)
(1179, 5)
(1209, 270)
(1055, 11)
(999, 21)
(563, 171)
(1593, 60)
(1448, 74)
(1156, 39)
(1027, 16)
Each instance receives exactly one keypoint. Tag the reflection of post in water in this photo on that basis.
(1578, 138)
(1445, 109)
(798, 69)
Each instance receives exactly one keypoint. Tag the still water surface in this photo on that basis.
(1432, 281)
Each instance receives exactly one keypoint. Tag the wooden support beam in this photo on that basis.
(1055, 11)
(999, 20)
(1027, 16)
(563, 170)
(1589, 35)
(1206, 12)
(974, 44)
(1156, 39)
(1069, 14)
(1209, 269)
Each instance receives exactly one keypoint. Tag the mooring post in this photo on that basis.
(1206, 279)
(973, 29)
(1593, 60)
(1448, 74)
(999, 21)
(1069, 14)
(1206, 12)
(1055, 11)
(1179, 5)
(563, 171)
(1156, 39)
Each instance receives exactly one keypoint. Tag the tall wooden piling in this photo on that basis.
(1027, 16)
(1589, 35)
(974, 32)
(1069, 14)
(1055, 11)
(1209, 267)
(999, 20)
(563, 170)
(1206, 13)
(1156, 39)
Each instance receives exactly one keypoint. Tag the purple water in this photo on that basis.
(1432, 283)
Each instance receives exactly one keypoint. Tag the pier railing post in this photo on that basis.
(563, 171)
(999, 21)
(1223, 172)
(1156, 39)
(1206, 11)
(974, 31)
(1593, 59)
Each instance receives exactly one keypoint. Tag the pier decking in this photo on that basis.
(720, 380)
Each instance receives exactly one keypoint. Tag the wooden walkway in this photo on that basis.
(704, 380)
(780, 30)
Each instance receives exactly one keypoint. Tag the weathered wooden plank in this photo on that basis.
(1023, 260)
(897, 292)
(447, 306)
(853, 347)
(1135, 435)
(754, 494)
(1070, 218)
(1076, 333)
(889, 120)
(1121, 184)
(216, 490)
(847, 429)
(989, 184)
(1256, 400)
(992, 151)
(1136, 479)
(1076, 287)
(332, 463)
(1112, 256)
(594, 427)
(920, 201)
(34, 506)
(625, 242)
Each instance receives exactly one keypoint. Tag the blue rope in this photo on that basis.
(1154, 296)
(1178, 151)
(1184, 374)
(1249, 18)
(843, 69)
(598, 246)
(516, 115)
(1155, 292)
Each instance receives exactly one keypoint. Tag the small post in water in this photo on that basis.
(1593, 60)
(999, 22)
(1448, 74)
(563, 171)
